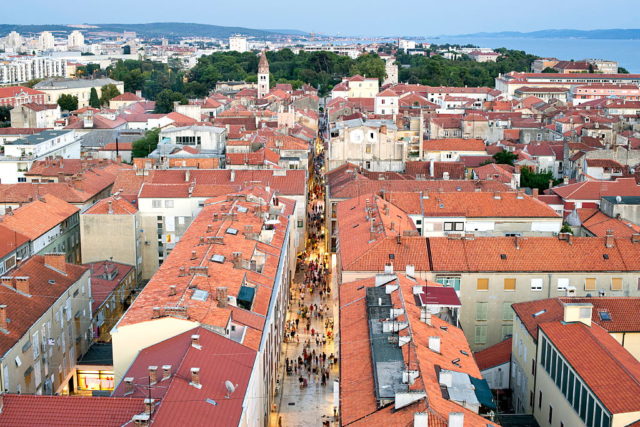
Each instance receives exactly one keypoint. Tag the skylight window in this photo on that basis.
(218, 258)
(539, 313)
(605, 315)
(232, 231)
(200, 295)
(242, 209)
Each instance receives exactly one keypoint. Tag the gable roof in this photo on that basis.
(454, 144)
(36, 218)
(22, 410)
(495, 355)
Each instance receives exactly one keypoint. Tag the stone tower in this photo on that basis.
(263, 76)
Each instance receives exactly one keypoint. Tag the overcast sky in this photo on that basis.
(346, 17)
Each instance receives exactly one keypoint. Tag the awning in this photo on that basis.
(483, 392)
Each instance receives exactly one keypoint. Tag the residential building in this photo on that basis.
(112, 288)
(46, 41)
(81, 88)
(495, 364)
(178, 367)
(587, 194)
(208, 139)
(14, 247)
(238, 43)
(387, 102)
(22, 69)
(111, 229)
(124, 100)
(490, 273)
(624, 207)
(451, 149)
(21, 153)
(627, 92)
(484, 56)
(400, 363)
(244, 237)
(372, 144)
(30, 115)
(50, 224)
(438, 214)
(558, 331)
(356, 87)
(508, 83)
(45, 321)
(391, 70)
(75, 40)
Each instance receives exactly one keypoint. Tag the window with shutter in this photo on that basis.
(509, 284)
(483, 284)
(482, 311)
(590, 284)
(616, 284)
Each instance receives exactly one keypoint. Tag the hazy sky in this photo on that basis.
(354, 17)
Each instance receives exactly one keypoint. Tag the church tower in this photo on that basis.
(263, 76)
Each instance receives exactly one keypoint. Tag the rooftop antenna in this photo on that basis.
(230, 388)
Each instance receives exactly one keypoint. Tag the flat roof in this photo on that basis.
(39, 138)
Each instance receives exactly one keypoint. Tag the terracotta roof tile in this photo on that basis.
(495, 355)
(29, 411)
(454, 144)
(36, 218)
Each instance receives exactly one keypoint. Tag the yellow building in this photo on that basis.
(609, 324)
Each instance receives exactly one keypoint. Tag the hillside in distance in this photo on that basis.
(609, 34)
(155, 29)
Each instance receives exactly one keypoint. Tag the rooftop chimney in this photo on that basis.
(195, 341)
(496, 195)
(148, 405)
(609, 242)
(635, 238)
(153, 374)
(3, 317)
(22, 284)
(172, 290)
(128, 385)
(536, 193)
(56, 261)
(195, 378)
(456, 419)
(410, 270)
(233, 176)
(194, 255)
(166, 372)
(110, 204)
(434, 344)
(221, 296)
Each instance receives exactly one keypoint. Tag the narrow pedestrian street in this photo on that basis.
(309, 370)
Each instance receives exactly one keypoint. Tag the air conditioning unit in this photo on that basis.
(571, 291)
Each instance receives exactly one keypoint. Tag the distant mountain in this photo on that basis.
(611, 34)
(155, 29)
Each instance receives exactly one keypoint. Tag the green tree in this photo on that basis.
(145, 145)
(31, 83)
(5, 116)
(540, 180)
(94, 101)
(505, 157)
(68, 102)
(549, 70)
(108, 92)
(623, 70)
(165, 100)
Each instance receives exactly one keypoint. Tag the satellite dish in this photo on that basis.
(618, 199)
(230, 388)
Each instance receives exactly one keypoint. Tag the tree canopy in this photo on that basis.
(539, 180)
(109, 92)
(505, 157)
(68, 102)
(145, 145)
(165, 100)
(94, 101)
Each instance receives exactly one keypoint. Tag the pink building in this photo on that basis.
(629, 92)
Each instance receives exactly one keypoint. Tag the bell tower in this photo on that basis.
(263, 76)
